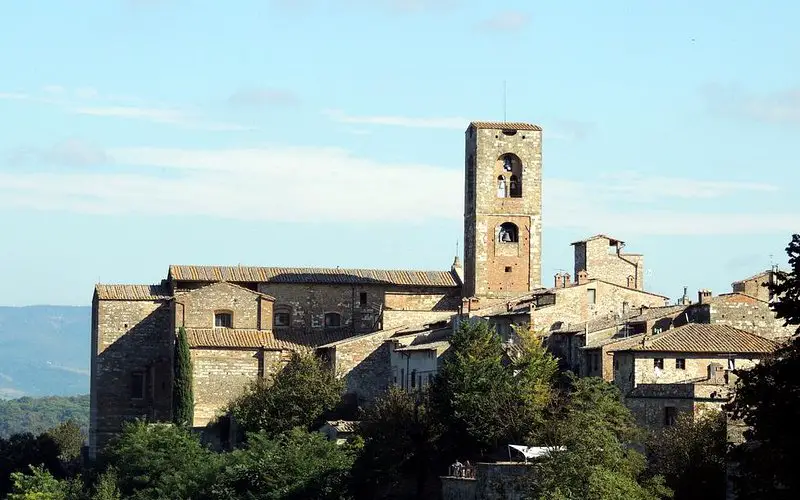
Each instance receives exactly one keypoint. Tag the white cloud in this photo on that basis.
(454, 123)
(71, 152)
(507, 21)
(779, 107)
(336, 186)
(89, 101)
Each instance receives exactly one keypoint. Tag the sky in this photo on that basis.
(135, 134)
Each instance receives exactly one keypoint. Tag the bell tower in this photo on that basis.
(502, 209)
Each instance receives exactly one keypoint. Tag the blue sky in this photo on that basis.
(138, 134)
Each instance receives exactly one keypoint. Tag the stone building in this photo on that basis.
(243, 323)
(685, 369)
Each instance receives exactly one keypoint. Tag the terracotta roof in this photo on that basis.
(313, 275)
(255, 339)
(343, 425)
(597, 237)
(705, 338)
(506, 125)
(132, 292)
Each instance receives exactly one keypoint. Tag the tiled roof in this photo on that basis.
(132, 292)
(706, 338)
(255, 339)
(438, 346)
(754, 277)
(596, 237)
(506, 125)
(343, 425)
(227, 283)
(313, 275)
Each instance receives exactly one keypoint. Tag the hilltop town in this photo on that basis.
(381, 328)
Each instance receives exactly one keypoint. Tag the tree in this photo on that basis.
(69, 438)
(486, 398)
(293, 466)
(21, 451)
(595, 428)
(691, 456)
(161, 461)
(398, 449)
(766, 401)
(299, 396)
(41, 485)
(182, 392)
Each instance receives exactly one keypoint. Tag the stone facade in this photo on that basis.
(740, 311)
(602, 258)
(755, 286)
(503, 186)
(131, 363)
(492, 481)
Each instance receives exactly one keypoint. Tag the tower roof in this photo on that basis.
(597, 237)
(506, 125)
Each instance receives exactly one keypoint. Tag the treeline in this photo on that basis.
(482, 399)
(36, 415)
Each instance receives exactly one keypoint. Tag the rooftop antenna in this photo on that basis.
(456, 247)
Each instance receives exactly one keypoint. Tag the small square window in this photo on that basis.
(362, 298)
(508, 269)
(591, 295)
(680, 364)
(282, 318)
(223, 320)
(658, 363)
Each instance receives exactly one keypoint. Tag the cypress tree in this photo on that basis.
(182, 394)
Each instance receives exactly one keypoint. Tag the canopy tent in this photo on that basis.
(534, 451)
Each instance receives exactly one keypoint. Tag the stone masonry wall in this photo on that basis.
(130, 337)
(696, 367)
(484, 269)
(221, 375)
(395, 319)
(365, 364)
(573, 304)
(195, 309)
(601, 261)
(750, 315)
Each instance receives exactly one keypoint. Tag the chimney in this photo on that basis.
(567, 280)
(703, 295)
(559, 281)
(583, 277)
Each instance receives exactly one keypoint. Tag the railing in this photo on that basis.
(462, 471)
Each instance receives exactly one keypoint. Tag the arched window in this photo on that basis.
(333, 320)
(508, 163)
(508, 233)
(514, 189)
(501, 186)
(223, 319)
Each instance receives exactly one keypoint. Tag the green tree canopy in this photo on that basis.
(297, 465)
(487, 395)
(298, 396)
(161, 461)
(598, 463)
(691, 455)
(182, 391)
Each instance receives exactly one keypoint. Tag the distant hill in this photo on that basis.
(44, 351)
(37, 415)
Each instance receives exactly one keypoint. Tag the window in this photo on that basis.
(282, 318)
(680, 364)
(501, 187)
(413, 379)
(333, 320)
(595, 362)
(731, 363)
(670, 416)
(514, 189)
(402, 378)
(591, 295)
(137, 385)
(508, 163)
(362, 298)
(508, 269)
(223, 320)
(616, 363)
(658, 363)
(508, 233)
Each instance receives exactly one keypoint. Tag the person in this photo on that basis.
(457, 468)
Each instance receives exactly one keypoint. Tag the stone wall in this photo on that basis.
(458, 488)
(602, 261)
(365, 364)
(395, 319)
(503, 480)
(573, 304)
(132, 343)
(748, 314)
(221, 375)
(755, 286)
(485, 266)
(196, 308)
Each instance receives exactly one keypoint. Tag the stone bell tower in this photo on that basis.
(502, 209)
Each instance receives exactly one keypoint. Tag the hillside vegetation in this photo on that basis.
(36, 415)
